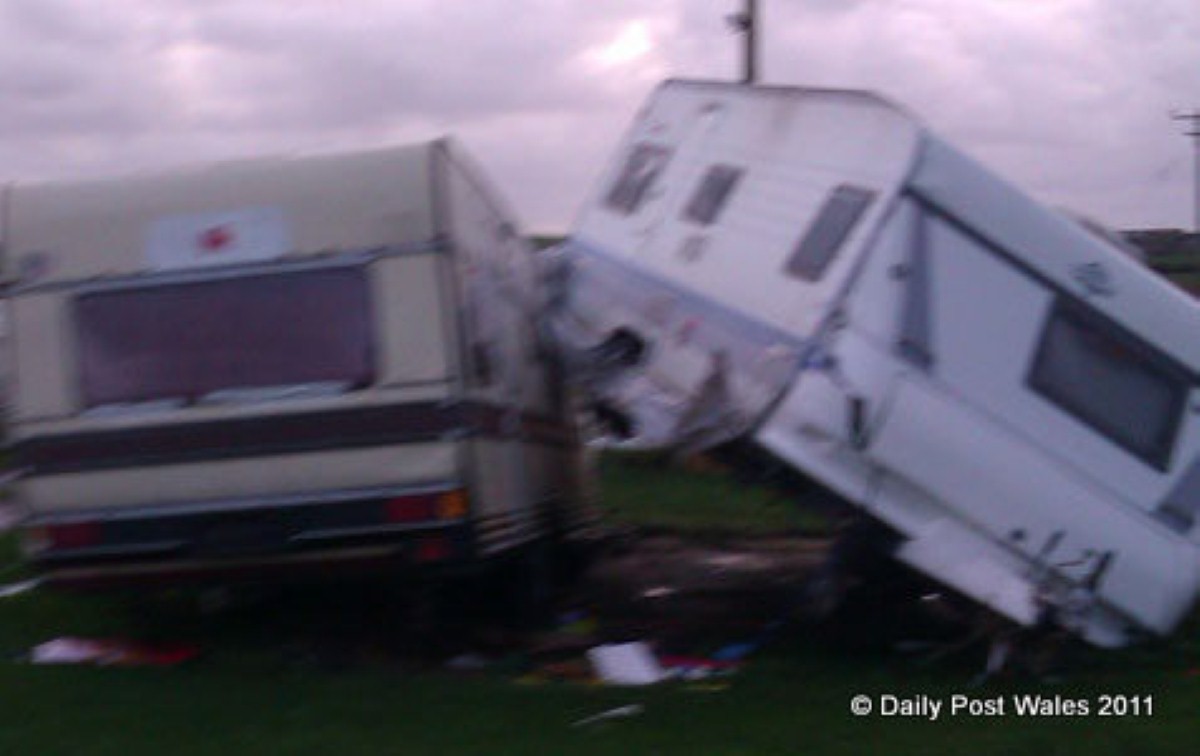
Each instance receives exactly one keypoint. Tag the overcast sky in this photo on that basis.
(1071, 99)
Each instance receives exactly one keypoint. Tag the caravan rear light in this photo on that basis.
(416, 508)
(449, 505)
(74, 535)
(452, 505)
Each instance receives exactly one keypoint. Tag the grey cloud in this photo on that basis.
(1067, 97)
(139, 83)
(466, 60)
(60, 22)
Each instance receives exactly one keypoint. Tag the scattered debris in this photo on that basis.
(658, 591)
(16, 589)
(468, 663)
(620, 712)
(568, 670)
(576, 622)
(693, 668)
(626, 664)
(111, 652)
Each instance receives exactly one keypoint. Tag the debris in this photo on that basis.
(112, 652)
(468, 663)
(68, 651)
(735, 652)
(574, 633)
(626, 664)
(620, 712)
(697, 667)
(576, 623)
(16, 589)
(568, 670)
(658, 591)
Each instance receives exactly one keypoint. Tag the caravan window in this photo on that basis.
(633, 184)
(186, 341)
(1111, 381)
(712, 194)
(834, 222)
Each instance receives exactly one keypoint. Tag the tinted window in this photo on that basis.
(1119, 386)
(712, 194)
(642, 169)
(841, 210)
(186, 341)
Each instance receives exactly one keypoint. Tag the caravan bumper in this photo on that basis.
(372, 529)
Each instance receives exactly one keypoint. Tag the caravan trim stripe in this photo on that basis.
(284, 434)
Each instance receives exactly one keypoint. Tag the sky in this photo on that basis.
(1069, 99)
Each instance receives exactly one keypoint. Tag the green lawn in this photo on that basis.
(248, 694)
(242, 699)
(644, 490)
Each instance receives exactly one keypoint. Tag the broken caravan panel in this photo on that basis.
(536, 456)
(1005, 391)
(264, 368)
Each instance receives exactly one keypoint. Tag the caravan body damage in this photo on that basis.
(815, 273)
(282, 368)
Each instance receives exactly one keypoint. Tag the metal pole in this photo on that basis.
(751, 42)
(746, 24)
(1193, 131)
(1195, 135)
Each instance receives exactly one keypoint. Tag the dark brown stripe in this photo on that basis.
(282, 434)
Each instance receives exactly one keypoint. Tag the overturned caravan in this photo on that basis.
(282, 368)
(1012, 396)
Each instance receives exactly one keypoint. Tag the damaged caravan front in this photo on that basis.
(279, 366)
(1012, 396)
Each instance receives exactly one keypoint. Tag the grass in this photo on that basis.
(250, 694)
(1188, 281)
(645, 491)
(794, 698)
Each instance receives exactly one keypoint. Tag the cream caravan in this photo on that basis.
(280, 364)
(813, 272)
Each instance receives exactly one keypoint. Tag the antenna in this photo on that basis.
(746, 24)
(1192, 129)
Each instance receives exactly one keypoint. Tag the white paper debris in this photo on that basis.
(626, 664)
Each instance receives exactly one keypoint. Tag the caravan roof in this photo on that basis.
(1055, 248)
(790, 147)
(296, 206)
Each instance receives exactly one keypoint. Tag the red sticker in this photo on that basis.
(215, 239)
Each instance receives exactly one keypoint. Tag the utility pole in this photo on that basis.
(746, 24)
(1192, 129)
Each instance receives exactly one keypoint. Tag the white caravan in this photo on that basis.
(814, 272)
(274, 365)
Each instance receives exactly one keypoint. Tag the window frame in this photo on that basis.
(1149, 359)
(840, 213)
(360, 289)
(713, 193)
(628, 193)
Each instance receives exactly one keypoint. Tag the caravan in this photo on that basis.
(1010, 395)
(279, 367)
